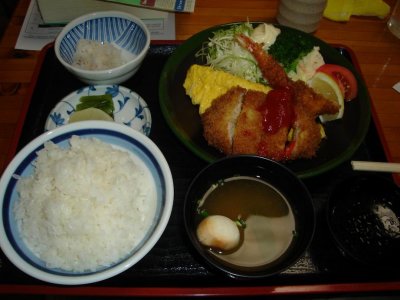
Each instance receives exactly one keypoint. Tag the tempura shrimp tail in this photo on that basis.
(270, 68)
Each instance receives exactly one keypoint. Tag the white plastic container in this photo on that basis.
(304, 15)
(394, 20)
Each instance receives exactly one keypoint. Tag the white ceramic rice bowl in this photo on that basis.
(109, 132)
(115, 27)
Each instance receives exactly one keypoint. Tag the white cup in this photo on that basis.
(394, 20)
(304, 15)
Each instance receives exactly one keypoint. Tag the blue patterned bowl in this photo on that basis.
(122, 30)
(130, 108)
(144, 152)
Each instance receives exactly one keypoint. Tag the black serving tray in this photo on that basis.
(173, 262)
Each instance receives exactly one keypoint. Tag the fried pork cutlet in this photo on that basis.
(274, 145)
(249, 129)
(234, 124)
(307, 135)
(314, 104)
(250, 136)
(219, 120)
(308, 106)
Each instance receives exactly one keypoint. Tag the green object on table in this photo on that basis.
(103, 102)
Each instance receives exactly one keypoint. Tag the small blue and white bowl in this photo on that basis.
(120, 29)
(146, 154)
(129, 108)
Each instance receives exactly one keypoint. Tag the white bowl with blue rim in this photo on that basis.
(141, 147)
(130, 108)
(119, 29)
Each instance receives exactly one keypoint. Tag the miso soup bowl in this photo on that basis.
(295, 207)
(122, 30)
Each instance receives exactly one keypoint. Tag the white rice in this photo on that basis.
(84, 207)
(94, 55)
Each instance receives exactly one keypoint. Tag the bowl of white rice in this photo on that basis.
(84, 202)
(106, 47)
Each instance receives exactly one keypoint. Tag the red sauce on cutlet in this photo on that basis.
(247, 133)
(278, 110)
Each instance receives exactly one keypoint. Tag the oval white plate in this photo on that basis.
(129, 108)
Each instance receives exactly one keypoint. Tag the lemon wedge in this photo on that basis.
(325, 85)
(90, 113)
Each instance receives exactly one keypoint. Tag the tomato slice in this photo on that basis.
(344, 77)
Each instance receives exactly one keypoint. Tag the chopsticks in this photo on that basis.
(376, 166)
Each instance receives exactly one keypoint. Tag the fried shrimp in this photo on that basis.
(308, 105)
(270, 68)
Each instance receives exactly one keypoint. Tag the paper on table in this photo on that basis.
(171, 5)
(34, 36)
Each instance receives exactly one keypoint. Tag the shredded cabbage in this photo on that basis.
(294, 52)
(223, 52)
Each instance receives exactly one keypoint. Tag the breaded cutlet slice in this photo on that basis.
(307, 134)
(249, 128)
(274, 145)
(313, 103)
(308, 106)
(219, 120)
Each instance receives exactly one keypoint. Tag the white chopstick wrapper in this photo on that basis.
(397, 86)
(376, 166)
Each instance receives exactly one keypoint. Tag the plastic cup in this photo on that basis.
(304, 15)
(394, 20)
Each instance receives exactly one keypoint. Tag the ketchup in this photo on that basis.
(278, 110)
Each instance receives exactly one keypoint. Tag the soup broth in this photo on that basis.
(266, 218)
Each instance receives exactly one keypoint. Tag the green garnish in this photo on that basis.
(240, 222)
(103, 102)
(289, 48)
(202, 212)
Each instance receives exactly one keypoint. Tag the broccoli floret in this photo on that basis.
(289, 48)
